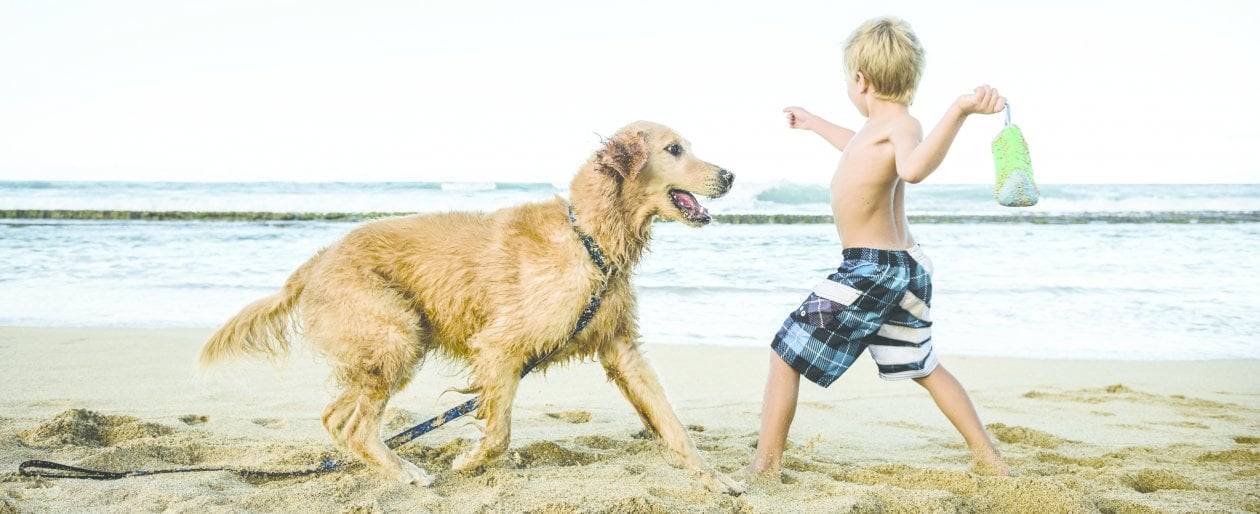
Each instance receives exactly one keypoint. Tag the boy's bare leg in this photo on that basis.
(953, 401)
(778, 409)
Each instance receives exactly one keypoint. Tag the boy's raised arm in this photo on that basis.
(802, 119)
(916, 160)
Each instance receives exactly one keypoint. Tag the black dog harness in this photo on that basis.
(46, 469)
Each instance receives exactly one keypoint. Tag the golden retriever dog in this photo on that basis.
(492, 290)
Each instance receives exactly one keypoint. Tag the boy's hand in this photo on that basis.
(799, 118)
(802, 119)
(984, 101)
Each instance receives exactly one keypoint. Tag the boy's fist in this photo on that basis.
(799, 118)
(984, 101)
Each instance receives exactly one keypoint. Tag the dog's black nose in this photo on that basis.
(727, 177)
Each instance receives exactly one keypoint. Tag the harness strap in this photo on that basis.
(592, 247)
(47, 469)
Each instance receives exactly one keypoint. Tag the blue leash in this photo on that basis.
(47, 469)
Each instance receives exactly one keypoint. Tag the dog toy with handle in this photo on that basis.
(1015, 186)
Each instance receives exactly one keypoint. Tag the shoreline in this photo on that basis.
(1192, 217)
(1118, 436)
(953, 354)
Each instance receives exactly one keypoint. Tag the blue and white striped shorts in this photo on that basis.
(878, 299)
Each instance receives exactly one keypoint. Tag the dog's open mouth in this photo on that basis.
(690, 207)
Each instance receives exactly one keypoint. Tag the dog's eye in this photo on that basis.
(674, 149)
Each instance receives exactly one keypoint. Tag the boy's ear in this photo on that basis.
(861, 82)
(623, 155)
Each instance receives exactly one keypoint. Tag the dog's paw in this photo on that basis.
(467, 461)
(720, 483)
(412, 474)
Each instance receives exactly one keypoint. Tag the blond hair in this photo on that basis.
(888, 53)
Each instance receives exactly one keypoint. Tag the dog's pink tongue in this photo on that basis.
(687, 201)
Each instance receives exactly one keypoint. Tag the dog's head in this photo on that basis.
(655, 166)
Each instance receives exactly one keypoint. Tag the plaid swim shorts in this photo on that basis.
(878, 299)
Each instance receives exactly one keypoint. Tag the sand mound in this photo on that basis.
(1151, 480)
(547, 453)
(557, 508)
(1232, 457)
(1122, 393)
(1088, 462)
(1024, 435)
(396, 420)
(600, 442)
(194, 419)
(80, 427)
(637, 505)
(434, 458)
(1118, 388)
(275, 423)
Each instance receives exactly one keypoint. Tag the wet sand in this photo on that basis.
(1082, 436)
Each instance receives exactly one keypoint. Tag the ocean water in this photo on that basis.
(1087, 288)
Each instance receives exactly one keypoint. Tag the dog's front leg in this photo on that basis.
(630, 371)
(497, 376)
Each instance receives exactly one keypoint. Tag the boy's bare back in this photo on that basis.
(868, 188)
(867, 195)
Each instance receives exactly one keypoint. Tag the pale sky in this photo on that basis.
(1106, 92)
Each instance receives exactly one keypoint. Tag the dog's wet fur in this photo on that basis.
(492, 290)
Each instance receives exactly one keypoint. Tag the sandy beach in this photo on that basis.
(1082, 436)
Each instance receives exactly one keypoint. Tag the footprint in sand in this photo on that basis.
(271, 422)
(571, 416)
(1246, 439)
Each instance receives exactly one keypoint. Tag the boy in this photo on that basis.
(879, 297)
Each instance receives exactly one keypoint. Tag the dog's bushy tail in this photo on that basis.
(262, 328)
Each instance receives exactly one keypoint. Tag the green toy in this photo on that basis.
(1015, 186)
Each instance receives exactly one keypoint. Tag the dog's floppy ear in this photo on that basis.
(623, 155)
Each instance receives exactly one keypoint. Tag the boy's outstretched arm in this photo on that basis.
(916, 160)
(802, 119)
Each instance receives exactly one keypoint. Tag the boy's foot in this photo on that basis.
(755, 475)
(990, 464)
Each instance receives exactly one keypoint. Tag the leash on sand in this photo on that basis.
(47, 469)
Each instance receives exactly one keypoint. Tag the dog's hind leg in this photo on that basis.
(375, 349)
(354, 422)
(630, 371)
